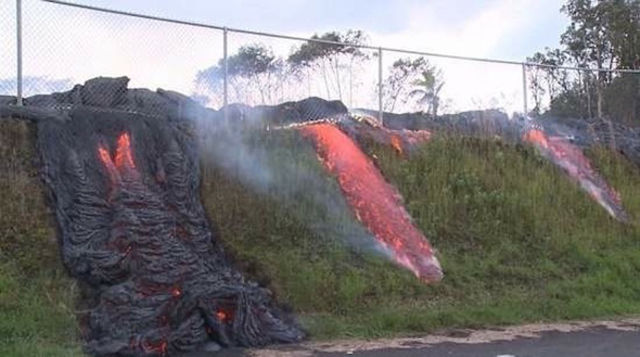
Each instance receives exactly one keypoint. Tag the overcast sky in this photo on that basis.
(510, 29)
(66, 43)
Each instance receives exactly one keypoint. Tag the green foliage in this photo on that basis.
(602, 31)
(36, 298)
(518, 243)
(517, 240)
(621, 98)
(330, 58)
(548, 80)
(337, 43)
(428, 89)
(37, 313)
(254, 69)
(251, 60)
(602, 35)
(406, 72)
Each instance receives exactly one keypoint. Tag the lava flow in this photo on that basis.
(123, 160)
(375, 202)
(133, 231)
(401, 140)
(571, 159)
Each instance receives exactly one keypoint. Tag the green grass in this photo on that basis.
(37, 314)
(518, 242)
(36, 298)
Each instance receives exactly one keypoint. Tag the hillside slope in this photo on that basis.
(518, 242)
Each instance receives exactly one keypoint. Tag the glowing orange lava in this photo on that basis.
(124, 158)
(156, 347)
(396, 142)
(375, 202)
(222, 315)
(122, 164)
(402, 141)
(573, 161)
(176, 292)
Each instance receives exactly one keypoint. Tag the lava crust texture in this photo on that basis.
(125, 190)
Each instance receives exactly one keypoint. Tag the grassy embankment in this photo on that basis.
(518, 243)
(36, 297)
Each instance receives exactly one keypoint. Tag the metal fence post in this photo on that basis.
(524, 89)
(19, 52)
(373, 48)
(225, 94)
(380, 118)
(586, 83)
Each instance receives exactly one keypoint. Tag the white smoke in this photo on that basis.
(284, 167)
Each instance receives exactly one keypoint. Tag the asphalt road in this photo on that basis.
(598, 342)
(594, 339)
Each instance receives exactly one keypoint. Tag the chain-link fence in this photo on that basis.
(64, 44)
(8, 77)
(270, 70)
(584, 93)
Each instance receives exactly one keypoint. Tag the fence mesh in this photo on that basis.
(577, 93)
(285, 70)
(8, 79)
(454, 86)
(64, 46)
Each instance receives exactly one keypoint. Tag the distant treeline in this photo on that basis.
(602, 34)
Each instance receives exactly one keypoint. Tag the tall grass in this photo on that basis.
(517, 240)
(36, 298)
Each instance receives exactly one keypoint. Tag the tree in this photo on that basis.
(402, 74)
(535, 78)
(252, 70)
(330, 58)
(429, 85)
(587, 41)
(208, 84)
(257, 65)
(547, 79)
(605, 35)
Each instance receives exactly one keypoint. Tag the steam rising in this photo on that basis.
(281, 165)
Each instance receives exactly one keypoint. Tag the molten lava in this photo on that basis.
(571, 159)
(160, 275)
(397, 144)
(124, 158)
(223, 315)
(122, 163)
(375, 202)
(402, 141)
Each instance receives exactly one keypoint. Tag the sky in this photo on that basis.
(69, 44)
(511, 29)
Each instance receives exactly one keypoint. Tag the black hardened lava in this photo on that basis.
(125, 190)
(122, 170)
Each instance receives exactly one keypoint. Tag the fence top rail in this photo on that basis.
(297, 38)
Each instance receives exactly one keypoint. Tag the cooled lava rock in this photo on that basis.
(125, 191)
(122, 169)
